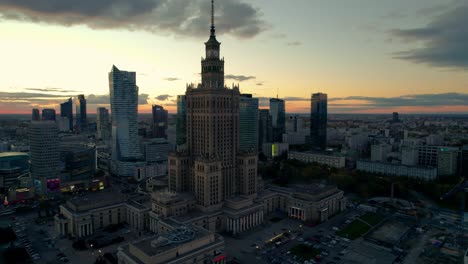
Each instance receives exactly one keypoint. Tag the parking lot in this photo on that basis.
(276, 242)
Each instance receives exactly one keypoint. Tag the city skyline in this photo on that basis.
(388, 64)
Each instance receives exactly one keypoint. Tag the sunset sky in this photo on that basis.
(369, 56)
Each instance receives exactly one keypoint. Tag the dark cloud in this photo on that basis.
(239, 78)
(105, 99)
(425, 100)
(259, 84)
(98, 99)
(51, 90)
(45, 98)
(294, 43)
(171, 79)
(444, 40)
(27, 95)
(163, 97)
(180, 17)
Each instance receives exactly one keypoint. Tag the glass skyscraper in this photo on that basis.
(159, 125)
(81, 118)
(278, 119)
(48, 114)
(264, 127)
(248, 123)
(36, 116)
(66, 110)
(318, 120)
(124, 107)
(102, 123)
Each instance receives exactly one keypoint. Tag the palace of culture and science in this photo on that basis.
(221, 181)
(212, 187)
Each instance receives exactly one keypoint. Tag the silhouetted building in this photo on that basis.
(264, 127)
(66, 110)
(81, 116)
(45, 155)
(464, 161)
(395, 117)
(318, 120)
(48, 114)
(211, 168)
(36, 116)
(181, 121)
(78, 164)
(248, 124)
(159, 125)
(278, 119)
(102, 123)
(124, 107)
(12, 166)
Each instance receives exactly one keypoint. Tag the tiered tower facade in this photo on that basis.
(211, 167)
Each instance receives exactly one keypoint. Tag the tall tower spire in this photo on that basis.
(212, 19)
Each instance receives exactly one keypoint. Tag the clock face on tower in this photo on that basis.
(212, 53)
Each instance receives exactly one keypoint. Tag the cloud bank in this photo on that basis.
(239, 78)
(178, 17)
(444, 40)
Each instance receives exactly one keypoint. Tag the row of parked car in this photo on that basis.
(20, 230)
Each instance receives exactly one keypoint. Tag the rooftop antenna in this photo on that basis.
(212, 18)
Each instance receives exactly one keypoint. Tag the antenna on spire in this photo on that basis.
(212, 18)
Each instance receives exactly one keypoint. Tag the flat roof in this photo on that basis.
(169, 240)
(98, 199)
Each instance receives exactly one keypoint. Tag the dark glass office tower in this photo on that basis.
(248, 123)
(318, 120)
(81, 119)
(181, 121)
(48, 114)
(278, 119)
(36, 116)
(66, 110)
(159, 125)
(264, 127)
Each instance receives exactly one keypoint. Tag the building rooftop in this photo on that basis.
(95, 200)
(13, 154)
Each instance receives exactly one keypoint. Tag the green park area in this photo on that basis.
(365, 185)
(360, 226)
(304, 252)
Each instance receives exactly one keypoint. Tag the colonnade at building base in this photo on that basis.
(244, 223)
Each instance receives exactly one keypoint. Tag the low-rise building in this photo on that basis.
(423, 173)
(81, 216)
(334, 160)
(182, 244)
(310, 203)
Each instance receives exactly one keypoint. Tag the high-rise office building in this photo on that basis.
(464, 161)
(181, 121)
(45, 155)
(124, 107)
(395, 117)
(36, 116)
(248, 124)
(159, 125)
(81, 115)
(211, 168)
(66, 110)
(102, 123)
(318, 120)
(48, 114)
(278, 119)
(264, 127)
